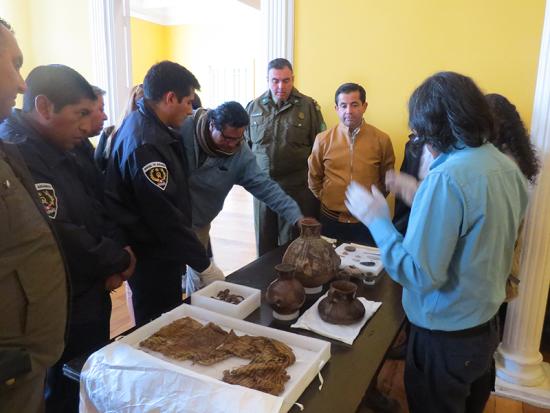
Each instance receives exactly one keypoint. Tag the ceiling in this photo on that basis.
(176, 12)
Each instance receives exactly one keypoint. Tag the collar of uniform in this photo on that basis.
(52, 154)
(293, 98)
(148, 112)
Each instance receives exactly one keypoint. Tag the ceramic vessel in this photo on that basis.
(286, 294)
(341, 306)
(315, 259)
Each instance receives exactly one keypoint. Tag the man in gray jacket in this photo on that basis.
(217, 159)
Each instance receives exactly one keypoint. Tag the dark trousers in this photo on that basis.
(156, 288)
(272, 230)
(62, 393)
(451, 372)
(357, 232)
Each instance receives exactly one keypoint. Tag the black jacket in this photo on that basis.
(410, 165)
(146, 191)
(85, 231)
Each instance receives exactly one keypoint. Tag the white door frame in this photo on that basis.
(112, 51)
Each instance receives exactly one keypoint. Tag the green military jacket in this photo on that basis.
(282, 138)
(33, 281)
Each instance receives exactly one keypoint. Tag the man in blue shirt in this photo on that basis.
(456, 255)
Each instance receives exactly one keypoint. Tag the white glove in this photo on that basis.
(366, 205)
(211, 274)
(403, 185)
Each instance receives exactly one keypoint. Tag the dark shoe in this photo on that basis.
(380, 403)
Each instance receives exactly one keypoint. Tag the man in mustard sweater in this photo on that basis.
(351, 151)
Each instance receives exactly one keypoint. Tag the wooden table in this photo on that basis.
(351, 369)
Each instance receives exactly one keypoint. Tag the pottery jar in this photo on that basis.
(341, 306)
(315, 259)
(285, 294)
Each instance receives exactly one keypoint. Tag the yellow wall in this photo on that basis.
(53, 31)
(186, 46)
(390, 47)
(61, 33)
(150, 44)
(17, 15)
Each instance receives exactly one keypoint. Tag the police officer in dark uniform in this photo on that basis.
(56, 116)
(84, 151)
(147, 192)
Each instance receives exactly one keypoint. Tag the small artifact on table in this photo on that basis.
(286, 294)
(368, 263)
(187, 339)
(350, 248)
(225, 295)
(341, 306)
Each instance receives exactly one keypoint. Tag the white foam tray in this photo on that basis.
(362, 253)
(203, 298)
(311, 355)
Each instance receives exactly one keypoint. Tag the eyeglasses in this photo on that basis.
(232, 139)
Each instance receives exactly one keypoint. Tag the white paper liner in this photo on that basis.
(123, 378)
(311, 320)
(361, 254)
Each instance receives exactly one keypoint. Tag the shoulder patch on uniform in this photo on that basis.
(157, 174)
(46, 194)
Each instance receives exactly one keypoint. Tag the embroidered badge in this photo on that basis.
(157, 174)
(47, 197)
(301, 115)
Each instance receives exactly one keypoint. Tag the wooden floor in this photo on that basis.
(234, 246)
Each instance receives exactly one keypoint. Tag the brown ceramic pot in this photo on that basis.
(341, 306)
(286, 294)
(315, 259)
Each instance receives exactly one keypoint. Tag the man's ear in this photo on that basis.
(170, 97)
(43, 106)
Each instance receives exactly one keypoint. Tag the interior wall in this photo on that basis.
(42, 28)
(17, 15)
(228, 47)
(390, 47)
(61, 33)
(151, 43)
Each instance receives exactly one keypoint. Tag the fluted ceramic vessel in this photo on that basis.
(315, 260)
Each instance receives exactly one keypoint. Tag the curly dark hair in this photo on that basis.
(448, 111)
(511, 136)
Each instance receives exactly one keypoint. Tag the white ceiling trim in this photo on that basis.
(178, 12)
(153, 18)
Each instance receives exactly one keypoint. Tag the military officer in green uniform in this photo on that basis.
(283, 126)
(33, 289)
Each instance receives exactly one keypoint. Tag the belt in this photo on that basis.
(468, 332)
(342, 217)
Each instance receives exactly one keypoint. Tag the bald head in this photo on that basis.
(11, 60)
